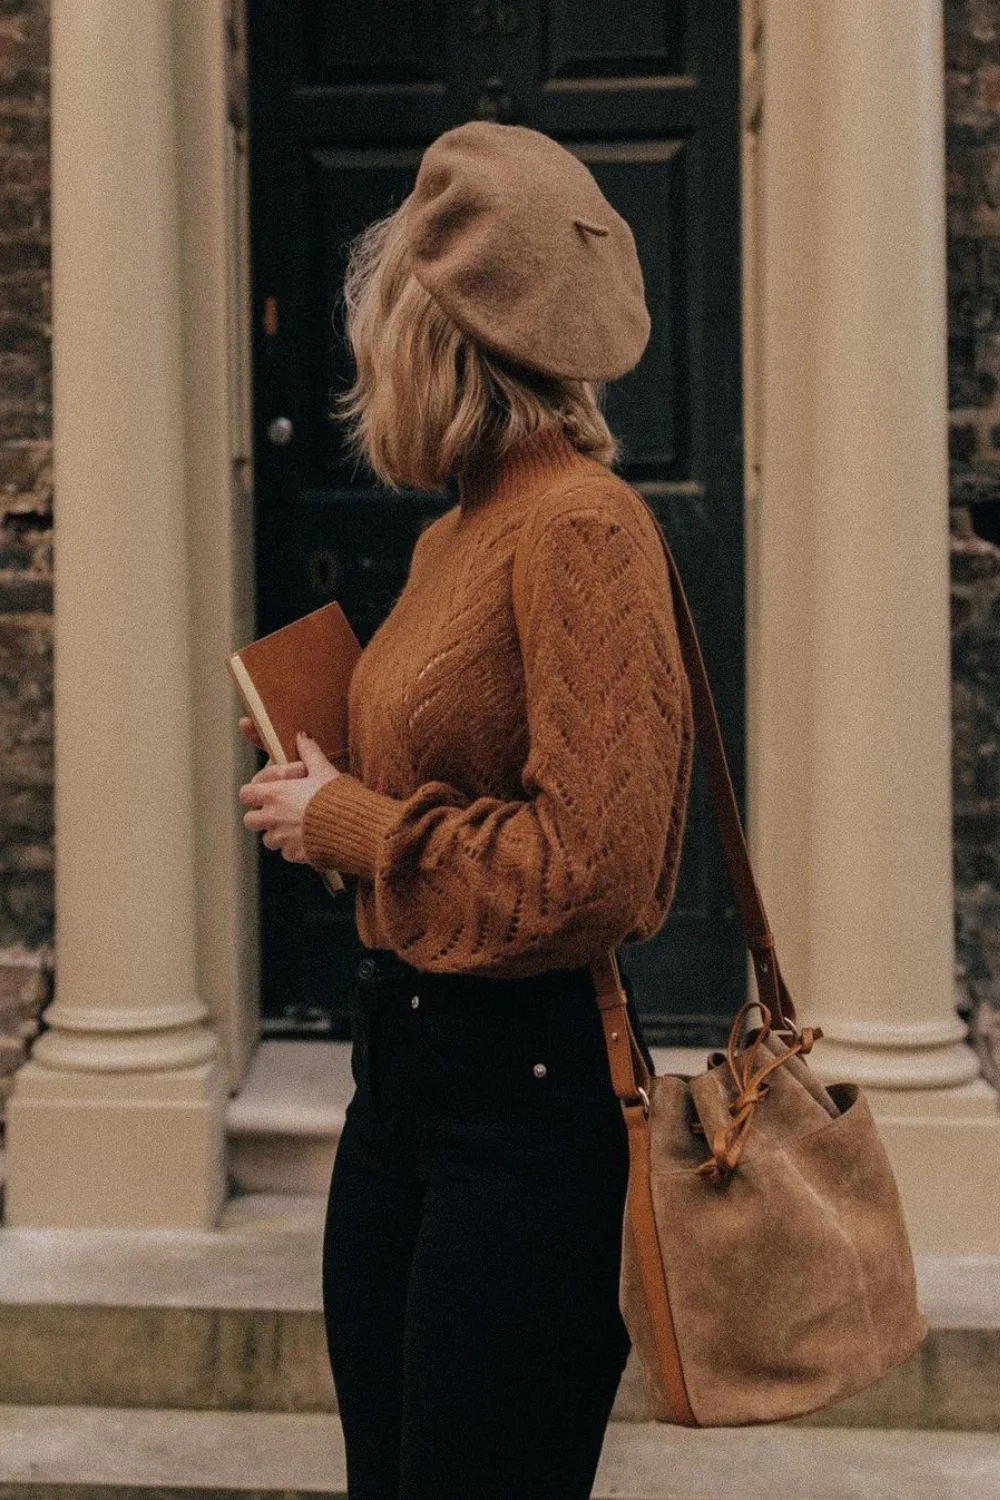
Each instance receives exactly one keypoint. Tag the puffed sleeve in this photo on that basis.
(485, 885)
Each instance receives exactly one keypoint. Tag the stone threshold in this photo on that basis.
(301, 1087)
(86, 1452)
(283, 1126)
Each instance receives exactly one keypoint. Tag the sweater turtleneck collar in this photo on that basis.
(526, 465)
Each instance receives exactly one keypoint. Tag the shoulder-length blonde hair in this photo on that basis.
(428, 400)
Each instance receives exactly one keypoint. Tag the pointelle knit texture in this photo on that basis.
(509, 815)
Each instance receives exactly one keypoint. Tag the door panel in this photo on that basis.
(344, 98)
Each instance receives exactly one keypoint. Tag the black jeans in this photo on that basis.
(473, 1238)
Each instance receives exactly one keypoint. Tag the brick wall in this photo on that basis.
(25, 530)
(973, 161)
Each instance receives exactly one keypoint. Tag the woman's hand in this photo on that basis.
(248, 729)
(277, 797)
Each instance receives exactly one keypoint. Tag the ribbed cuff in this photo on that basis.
(343, 825)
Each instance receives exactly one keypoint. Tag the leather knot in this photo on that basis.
(728, 1140)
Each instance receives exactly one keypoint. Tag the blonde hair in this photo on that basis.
(428, 400)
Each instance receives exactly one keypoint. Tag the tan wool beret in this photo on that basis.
(512, 236)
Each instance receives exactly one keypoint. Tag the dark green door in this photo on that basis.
(345, 95)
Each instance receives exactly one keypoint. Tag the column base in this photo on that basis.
(928, 1055)
(944, 1145)
(116, 1150)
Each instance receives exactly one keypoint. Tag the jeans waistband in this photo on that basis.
(380, 971)
(381, 974)
(380, 965)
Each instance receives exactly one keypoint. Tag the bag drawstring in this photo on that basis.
(728, 1140)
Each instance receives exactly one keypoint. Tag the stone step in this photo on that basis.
(283, 1126)
(81, 1452)
(231, 1320)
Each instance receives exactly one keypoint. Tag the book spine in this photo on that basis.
(332, 879)
(257, 711)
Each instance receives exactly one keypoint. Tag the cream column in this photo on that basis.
(850, 662)
(117, 1119)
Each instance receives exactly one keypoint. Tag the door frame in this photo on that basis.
(221, 572)
(212, 83)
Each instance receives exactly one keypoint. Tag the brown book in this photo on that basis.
(297, 678)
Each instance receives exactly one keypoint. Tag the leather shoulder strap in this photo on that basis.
(771, 986)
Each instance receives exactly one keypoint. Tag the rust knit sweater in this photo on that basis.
(507, 816)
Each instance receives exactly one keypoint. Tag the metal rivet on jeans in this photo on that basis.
(539, 1070)
(415, 1001)
(367, 968)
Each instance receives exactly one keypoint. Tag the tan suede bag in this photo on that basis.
(773, 1276)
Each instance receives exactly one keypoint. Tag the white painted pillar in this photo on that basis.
(881, 794)
(117, 1119)
(850, 641)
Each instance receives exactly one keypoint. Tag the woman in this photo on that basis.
(515, 804)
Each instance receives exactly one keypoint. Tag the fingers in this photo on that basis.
(271, 772)
(272, 812)
(313, 756)
(249, 731)
(255, 796)
(291, 849)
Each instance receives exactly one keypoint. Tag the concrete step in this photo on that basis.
(231, 1320)
(226, 1319)
(84, 1452)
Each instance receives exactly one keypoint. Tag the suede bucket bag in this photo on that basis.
(766, 1269)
